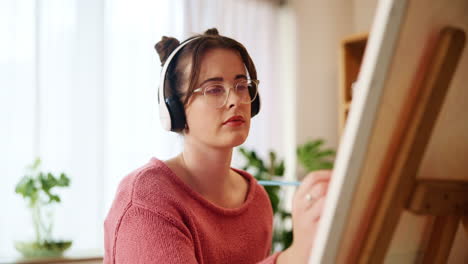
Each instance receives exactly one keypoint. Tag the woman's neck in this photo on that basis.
(208, 171)
(206, 165)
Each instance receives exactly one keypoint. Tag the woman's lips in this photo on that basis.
(234, 123)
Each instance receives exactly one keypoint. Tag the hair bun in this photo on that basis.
(165, 46)
(212, 32)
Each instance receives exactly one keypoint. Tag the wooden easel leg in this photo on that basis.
(441, 239)
(418, 117)
(465, 223)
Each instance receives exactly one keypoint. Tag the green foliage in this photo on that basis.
(265, 172)
(282, 237)
(35, 182)
(36, 188)
(312, 157)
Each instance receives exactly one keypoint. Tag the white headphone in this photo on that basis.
(169, 111)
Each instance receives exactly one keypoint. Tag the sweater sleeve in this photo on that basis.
(144, 236)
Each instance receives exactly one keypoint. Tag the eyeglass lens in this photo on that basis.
(217, 93)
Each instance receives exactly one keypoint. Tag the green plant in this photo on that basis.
(36, 188)
(312, 157)
(282, 236)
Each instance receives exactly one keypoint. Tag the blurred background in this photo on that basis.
(78, 83)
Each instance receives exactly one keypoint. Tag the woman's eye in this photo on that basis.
(215, 90)
(242, 87)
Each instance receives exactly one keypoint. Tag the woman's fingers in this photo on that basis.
(317, 191)
(313, 187)
(308, 204)
(310, 197)
(315, 212)
(311, 179)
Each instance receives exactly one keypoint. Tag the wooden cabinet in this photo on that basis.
(351, 54)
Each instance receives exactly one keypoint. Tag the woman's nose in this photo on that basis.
(233, 98)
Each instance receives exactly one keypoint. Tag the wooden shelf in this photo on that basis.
(351, 54)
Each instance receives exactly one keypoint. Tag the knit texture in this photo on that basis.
(157, 218)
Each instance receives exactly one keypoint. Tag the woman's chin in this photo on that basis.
(235, 140)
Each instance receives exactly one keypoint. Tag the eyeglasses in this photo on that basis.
(216, 94)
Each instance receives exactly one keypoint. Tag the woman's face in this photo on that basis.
(207, 124)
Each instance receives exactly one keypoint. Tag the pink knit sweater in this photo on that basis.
(157, 218)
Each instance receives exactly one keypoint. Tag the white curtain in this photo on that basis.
(78, 88)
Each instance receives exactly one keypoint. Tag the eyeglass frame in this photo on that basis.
(234, 86)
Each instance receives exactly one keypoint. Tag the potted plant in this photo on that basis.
(36, 188)
(311, 156)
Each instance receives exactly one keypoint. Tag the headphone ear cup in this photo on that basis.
(177, 113)
(255, 106)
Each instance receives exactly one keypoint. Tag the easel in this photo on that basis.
(399, 189)
(446, 201)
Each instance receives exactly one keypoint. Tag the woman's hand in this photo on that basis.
(306, 212)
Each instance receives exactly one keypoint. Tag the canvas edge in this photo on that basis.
(352, 151)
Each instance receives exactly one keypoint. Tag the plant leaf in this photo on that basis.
(54, 198)
(63, 181)
(312, 157)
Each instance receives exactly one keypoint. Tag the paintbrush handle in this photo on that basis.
(279, 183)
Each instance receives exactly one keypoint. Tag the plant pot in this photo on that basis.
(43, 249)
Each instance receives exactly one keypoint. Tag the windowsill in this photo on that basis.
(82, 256)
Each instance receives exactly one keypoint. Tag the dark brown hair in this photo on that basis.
(195, 50)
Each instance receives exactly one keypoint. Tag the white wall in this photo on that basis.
(319, 28)
(363, 15)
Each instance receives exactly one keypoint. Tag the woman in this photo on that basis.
(194, 208)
